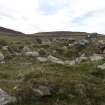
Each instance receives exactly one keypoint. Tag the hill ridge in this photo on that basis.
(7, 30)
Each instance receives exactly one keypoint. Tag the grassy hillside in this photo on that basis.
(33, 82)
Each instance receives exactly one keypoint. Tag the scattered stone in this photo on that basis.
(82, 59)
(72, 44)
(33, 54)
(50, 57)
(102, 42)
(92, 35)
(42, 59)
(101, 66)
(18, 54)
(83, 42)
(5, 48)
(96, 57)
(5, 98)
(55, 60)
(26, 49)
(78, 60)
(2, 62)
(1, 57)
(70, 62)
(59, 61)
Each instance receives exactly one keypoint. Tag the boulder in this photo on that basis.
(5, 98)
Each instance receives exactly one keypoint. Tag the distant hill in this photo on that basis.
(10, 32)
(6, 30)
(60, 33)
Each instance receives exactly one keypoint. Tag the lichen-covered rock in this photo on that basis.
(5, 98)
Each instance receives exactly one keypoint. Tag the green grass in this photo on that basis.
(65, 77)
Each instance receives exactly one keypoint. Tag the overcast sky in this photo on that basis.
(32, 16)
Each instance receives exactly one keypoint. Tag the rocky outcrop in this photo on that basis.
(5, 98)
(78, 60)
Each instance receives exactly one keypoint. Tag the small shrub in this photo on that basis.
(3, 75)
(31, 75)
(39, 41)
(99, 73)
(42, 52)
(3, 43)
